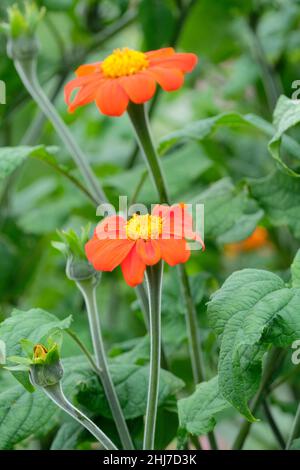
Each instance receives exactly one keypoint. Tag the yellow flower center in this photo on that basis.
(144, 226)
(124, 62)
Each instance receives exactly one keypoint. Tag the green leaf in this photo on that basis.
(279, 195)
(12, 157)
(286, 115)
(33, 325)
(242, 288)
(131, 382)
(205, 128)
(295, 270)
(252, 311)
(230, 215)
(67, 436)
(197, 413)
(23, 414)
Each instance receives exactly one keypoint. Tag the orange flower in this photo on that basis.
(257, 239)
(128, 75)
(142, 241)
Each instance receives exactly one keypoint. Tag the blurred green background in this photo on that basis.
(249, 54)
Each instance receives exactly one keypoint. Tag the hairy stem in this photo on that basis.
(27, 72)
(56, 394)
(154, 285)
(88, 290)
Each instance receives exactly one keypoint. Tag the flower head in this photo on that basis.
(142, 241)
(128, 75)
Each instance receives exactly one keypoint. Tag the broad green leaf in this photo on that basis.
(12, 157)
(131, 382)
(23, 414)
(229, 213)
(67, 436)
(252, 311)
(197, 413)
(279, 195)
(286, 115)
(33, 325)
(243, 289)
(295, 270)
(205, 128)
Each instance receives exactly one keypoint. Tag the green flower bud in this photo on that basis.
(20, 29)
(72, 246)
(46, 368)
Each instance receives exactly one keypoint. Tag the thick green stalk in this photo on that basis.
(56, 394)
(26, 69)
(88, 290)
(154, 284)
(139, 119)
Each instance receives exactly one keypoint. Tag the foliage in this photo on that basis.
(229, 139)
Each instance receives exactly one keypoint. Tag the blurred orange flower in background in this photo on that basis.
(258, 239)
(142, 241)
(128, 75)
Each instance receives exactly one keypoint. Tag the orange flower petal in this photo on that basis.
(79, 83)
(133, 268)
(140, 87)
(184, 62)
(149, 251)
(106, 255)
(88, 69)
(111, 98)
(174, 251)
(160, 53)
(85, 95)
(168, 79)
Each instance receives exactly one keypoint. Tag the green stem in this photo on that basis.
(274, 359)
(192, 327)
(272, 423)
(27, 72)
(88, 290)
(56, 394)
(85, 351)
(295, 432)
(154, 284)
(139, 119)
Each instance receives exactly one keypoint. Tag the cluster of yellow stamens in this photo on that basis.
(144, 226)
(124, 62)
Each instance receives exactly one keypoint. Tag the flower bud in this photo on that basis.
(72, 246)
(46, 368)
(20, 29)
